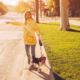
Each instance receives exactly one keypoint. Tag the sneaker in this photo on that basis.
(32, 66)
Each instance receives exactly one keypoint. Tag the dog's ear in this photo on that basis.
(39, 60)
(45, 58)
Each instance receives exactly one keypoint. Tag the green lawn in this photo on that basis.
(63, 49)
(78, 20)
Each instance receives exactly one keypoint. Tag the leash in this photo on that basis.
(40, 43)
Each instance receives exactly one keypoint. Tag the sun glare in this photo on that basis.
(13, 3)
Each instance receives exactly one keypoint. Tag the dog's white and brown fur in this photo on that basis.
(40, 61)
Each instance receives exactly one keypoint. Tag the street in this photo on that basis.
(11, 55)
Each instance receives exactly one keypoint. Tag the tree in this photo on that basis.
(55, 5)
(37, 17)
(3, 8)
(74, 7)
(22, 7)
(64, 24)
(51, 4)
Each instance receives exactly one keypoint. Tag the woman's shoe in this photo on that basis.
(31, 67)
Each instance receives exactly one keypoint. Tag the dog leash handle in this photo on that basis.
(40, 42)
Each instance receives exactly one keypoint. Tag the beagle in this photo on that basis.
(40, 61)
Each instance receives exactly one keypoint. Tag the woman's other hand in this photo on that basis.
(40, 42)
(39, 38)
(7, 22)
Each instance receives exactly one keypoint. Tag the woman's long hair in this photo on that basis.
(25, 20)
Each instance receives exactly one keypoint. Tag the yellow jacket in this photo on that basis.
(28, 30)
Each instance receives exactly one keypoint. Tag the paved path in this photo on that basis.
(11, 52)
(57, 19)
(74, 22)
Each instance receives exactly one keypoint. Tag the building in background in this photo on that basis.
(45, 10)
(48, 12)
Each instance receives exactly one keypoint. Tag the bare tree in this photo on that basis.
(64, 24)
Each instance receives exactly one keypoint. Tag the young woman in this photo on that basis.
(29, 29)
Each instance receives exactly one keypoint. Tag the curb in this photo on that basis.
(47, 62)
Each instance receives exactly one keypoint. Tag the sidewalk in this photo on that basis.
(57, 19)
(45, 73)
(74, 22)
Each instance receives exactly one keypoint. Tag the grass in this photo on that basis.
(63, 49)
(78, 20)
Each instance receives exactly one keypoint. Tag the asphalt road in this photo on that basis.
(11, 55)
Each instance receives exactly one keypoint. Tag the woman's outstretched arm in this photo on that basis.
(15, 23)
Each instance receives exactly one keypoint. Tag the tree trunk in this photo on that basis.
(37, 17)
(64, 24)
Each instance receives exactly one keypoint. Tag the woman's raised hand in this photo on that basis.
(7, 22)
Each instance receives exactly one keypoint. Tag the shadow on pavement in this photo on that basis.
(42, 74)
(73, 30)
(57, 77)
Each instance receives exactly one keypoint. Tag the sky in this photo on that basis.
(14, 2)
(11, 2)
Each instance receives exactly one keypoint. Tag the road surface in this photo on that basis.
(12, 52)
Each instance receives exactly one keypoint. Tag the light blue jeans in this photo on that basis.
(27, 48)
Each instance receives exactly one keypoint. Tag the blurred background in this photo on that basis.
(45, 7)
